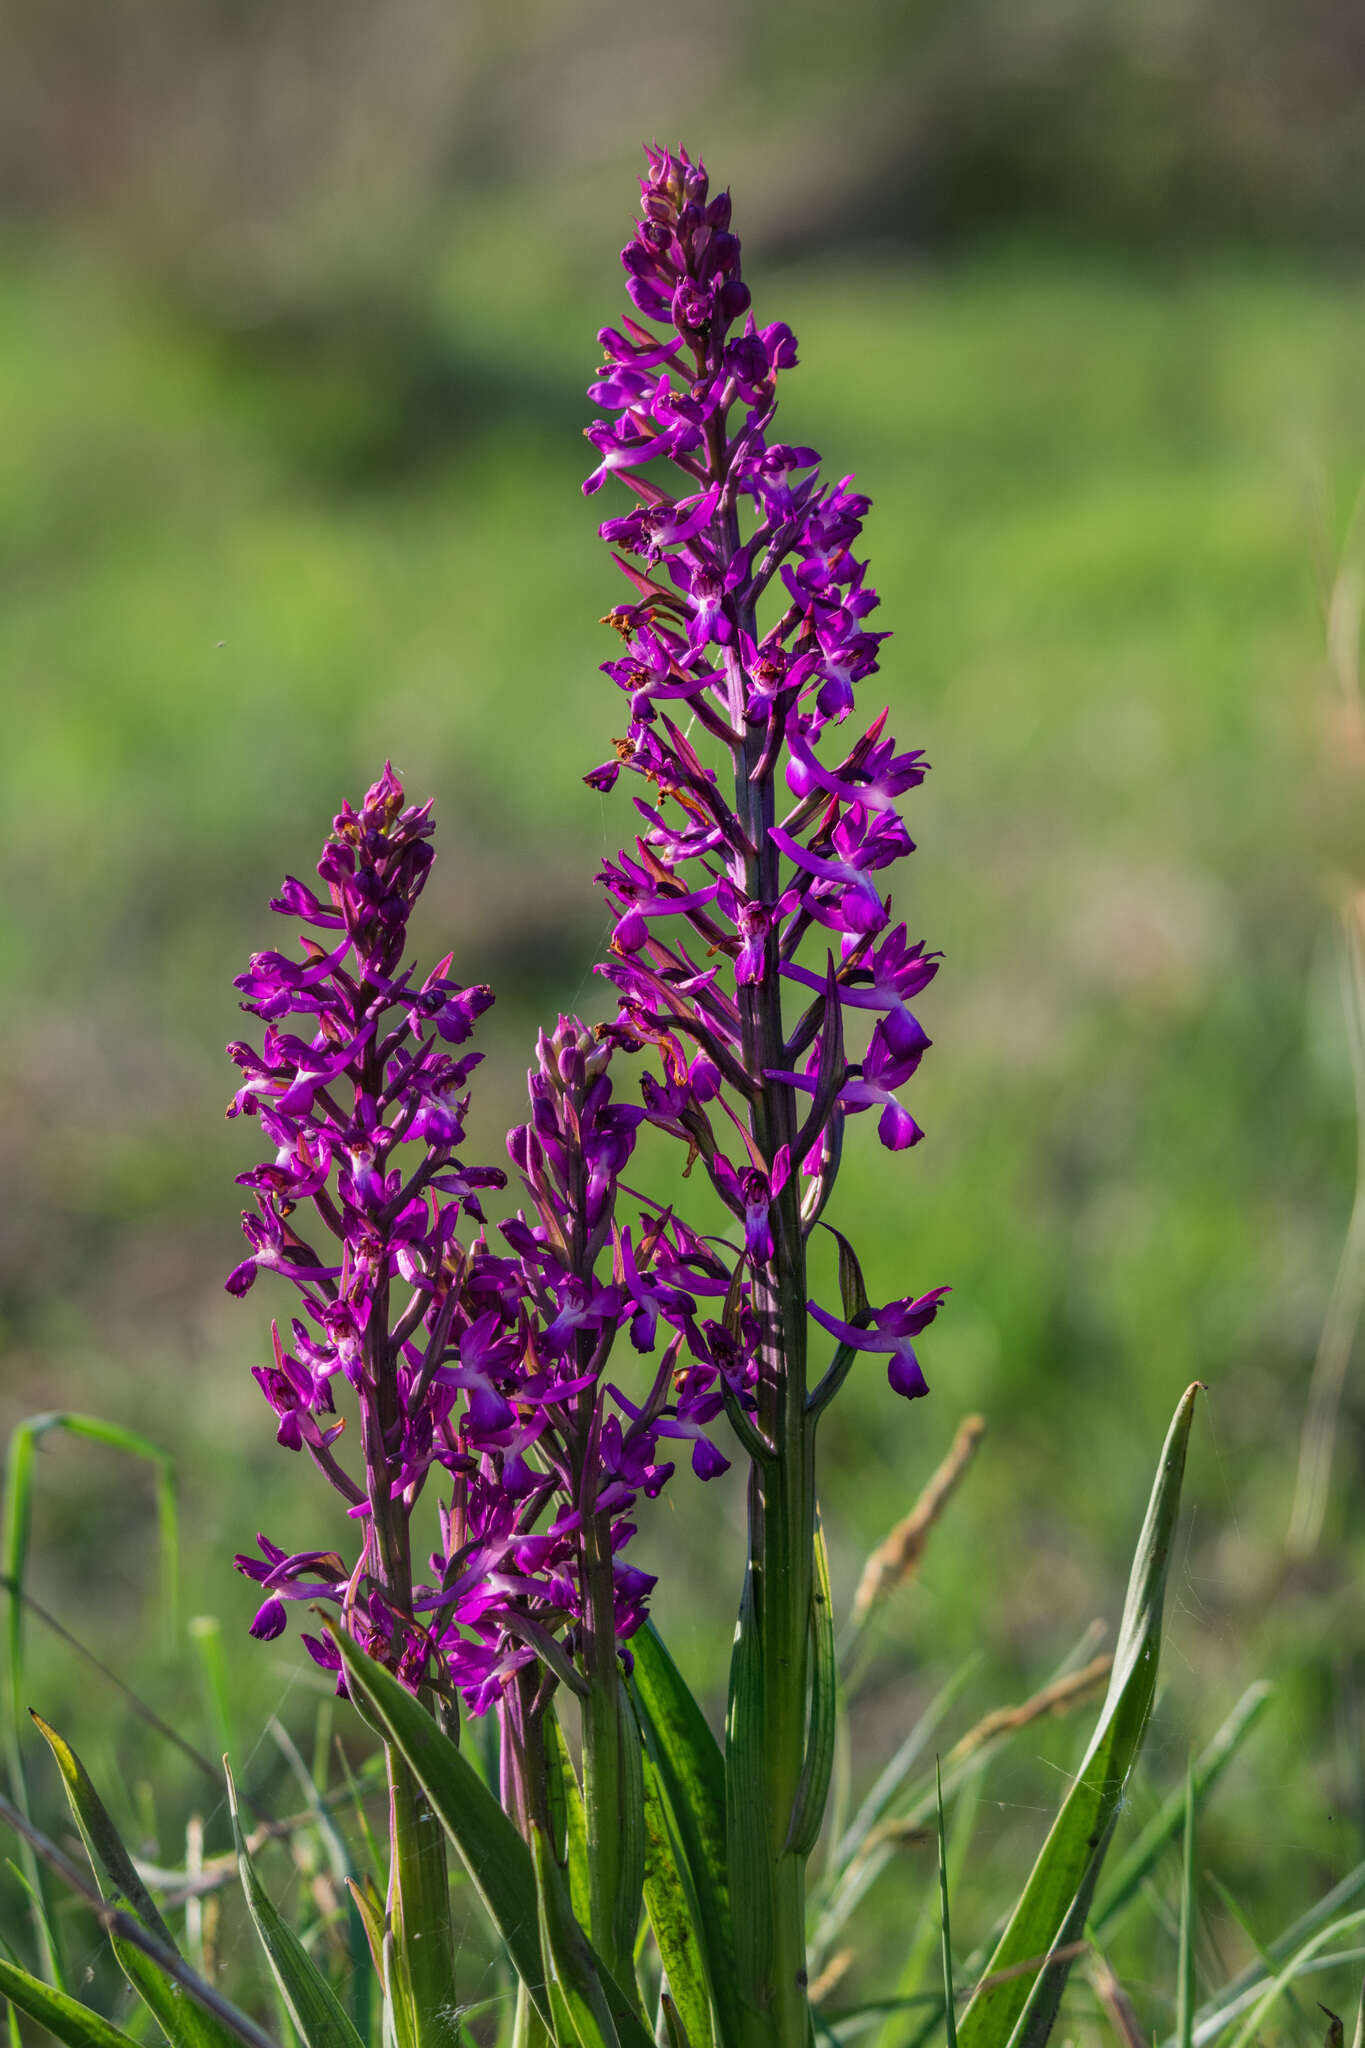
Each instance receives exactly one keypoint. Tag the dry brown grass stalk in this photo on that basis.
(1058, 1698)
(833, 1974)
(897, 1557)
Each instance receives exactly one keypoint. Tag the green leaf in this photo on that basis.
(1124, 1881)
(566, 1806)
(1068, 1865)
(674, 1917)
(577, 1992)
(1251, 2027)
(311, 2002)
(421, 1983)
(14, 1546)
(368, 1904)
(184, 2023)
(945, 1925)
(813, 1791)
(746, 1842)
(1184, 1991)
(497, 1859)
(852, 1287)
(691, 1773)
(62, 2015)
(1240, 1991)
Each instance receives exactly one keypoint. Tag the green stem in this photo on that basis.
(782, 1488)
(419, 1943)
(613, 1801)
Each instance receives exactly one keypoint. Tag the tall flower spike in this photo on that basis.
(748, 615)
(753, 948)
(364, 1105)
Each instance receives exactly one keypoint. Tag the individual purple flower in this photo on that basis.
(889, 1330)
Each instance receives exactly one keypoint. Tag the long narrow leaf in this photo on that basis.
(567, 1800)
(1124, 1880)
(746, 1843)
(571, 1972)
(62, 2015)
(421, 1984)
(498, 1861)
(813, 1790)
(945, 1926)
(1276, 1989)
(692, 1780)
(128, 1928)
(673, 1915)
(312, 2004)
(1184, 1990)
(1068, 1864)
(184, 2023)
(1243, 1987)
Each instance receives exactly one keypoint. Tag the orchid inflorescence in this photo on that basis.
(493, 1365)
(763, 991)
(490, 1368)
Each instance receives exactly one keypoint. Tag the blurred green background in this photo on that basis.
(297, 305)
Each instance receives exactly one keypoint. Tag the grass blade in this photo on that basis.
(1184, 1990)
(1123, 1882)
(309, 1999)
(949, 1999)
(184, 2023)
(1217, 2012)
(60, 2014)
(127, 1928)
(1276, 1989)
(1068, 1864)
(14, 1546)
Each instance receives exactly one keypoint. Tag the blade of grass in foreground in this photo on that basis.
(62, 2015)
(18, 1525)
(129, 1929)
(1184, 1990)
(184, 2023)
(309, 1999)
(1218, 2011)
(1124, 1881)
(494, 1854)
(949, 2004)
(1251, 2027)
(1063, 1878)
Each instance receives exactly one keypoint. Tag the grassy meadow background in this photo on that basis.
(290, 410)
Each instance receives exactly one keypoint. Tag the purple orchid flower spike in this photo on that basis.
(364, 1105)
(753, 928)
(725, 902)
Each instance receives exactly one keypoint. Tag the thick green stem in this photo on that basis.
(612, 1795)
(782, 1486)
(419, 1944)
